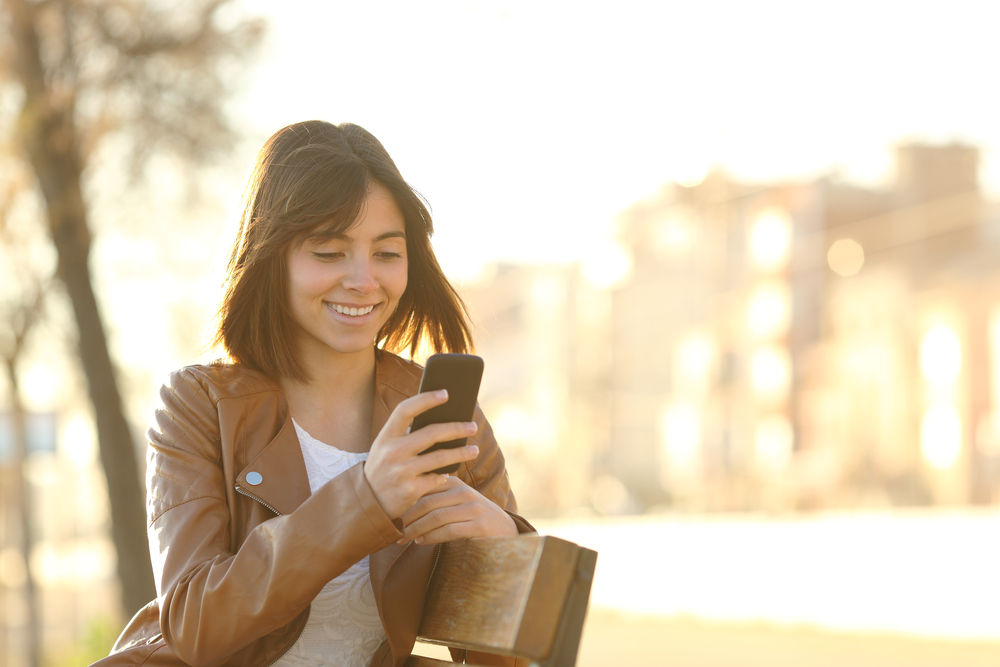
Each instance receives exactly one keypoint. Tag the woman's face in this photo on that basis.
(341, 291)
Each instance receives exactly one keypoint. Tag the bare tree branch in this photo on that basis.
(155, 75)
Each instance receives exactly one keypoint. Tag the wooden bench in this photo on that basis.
(518, 596)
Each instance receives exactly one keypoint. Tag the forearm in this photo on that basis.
(214, 602)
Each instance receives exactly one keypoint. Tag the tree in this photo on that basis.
(155, 75)
(22, 303)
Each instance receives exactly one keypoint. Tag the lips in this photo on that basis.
(350, 311)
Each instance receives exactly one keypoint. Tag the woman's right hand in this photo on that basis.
(396, 471)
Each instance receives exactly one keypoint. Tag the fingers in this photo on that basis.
(418, 441)
(452, 511)
(396, 491)
(396, 466)
(404, 413)
(443, 458)
(444, 495)
(397, 469)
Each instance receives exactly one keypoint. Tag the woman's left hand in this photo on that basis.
(455, 511)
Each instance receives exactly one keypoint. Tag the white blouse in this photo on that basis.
(344, 629)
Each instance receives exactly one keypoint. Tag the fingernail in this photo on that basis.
(419, 540)
(474, 449)
(471, 427)
(441, 393)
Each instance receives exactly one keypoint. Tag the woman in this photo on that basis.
(292, 519)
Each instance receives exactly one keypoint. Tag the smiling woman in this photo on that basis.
(293, 519)
(311, 188)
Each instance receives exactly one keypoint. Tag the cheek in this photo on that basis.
(305, 281)
(400, 280)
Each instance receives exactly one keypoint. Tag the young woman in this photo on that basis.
(292, 519)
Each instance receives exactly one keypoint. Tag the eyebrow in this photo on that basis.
(344, 236)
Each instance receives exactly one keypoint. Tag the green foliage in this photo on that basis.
(94, 644)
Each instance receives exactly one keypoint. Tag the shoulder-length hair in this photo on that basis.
(314, 177)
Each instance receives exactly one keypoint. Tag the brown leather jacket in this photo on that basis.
(237, 563)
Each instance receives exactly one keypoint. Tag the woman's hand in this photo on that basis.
(454, 510)
(398, 475)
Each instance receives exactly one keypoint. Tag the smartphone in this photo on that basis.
(460, 374)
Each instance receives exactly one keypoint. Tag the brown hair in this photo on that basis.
(314, 177)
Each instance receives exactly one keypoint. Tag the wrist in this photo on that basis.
(511, 527)
(376, 492)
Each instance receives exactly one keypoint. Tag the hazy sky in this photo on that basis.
(530, 124)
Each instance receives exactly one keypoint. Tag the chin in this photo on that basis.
(352, 347)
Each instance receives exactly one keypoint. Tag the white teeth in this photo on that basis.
(353, 312)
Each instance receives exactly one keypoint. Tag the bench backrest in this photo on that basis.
(520, 596)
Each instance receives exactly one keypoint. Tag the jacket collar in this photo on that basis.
(283, 483)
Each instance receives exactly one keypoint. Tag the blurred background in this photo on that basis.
(733, 269)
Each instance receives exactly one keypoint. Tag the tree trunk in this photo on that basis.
(47, 131)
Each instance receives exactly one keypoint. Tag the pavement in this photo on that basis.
(612, 639)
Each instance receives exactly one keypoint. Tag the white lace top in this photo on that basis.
(344, 628)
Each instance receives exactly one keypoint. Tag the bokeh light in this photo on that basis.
(770, 239)
(770, 372)
(941, 355)
(941, 436)
(846, 257)
(769, 310)
(680, 438)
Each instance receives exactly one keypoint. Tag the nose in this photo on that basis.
(360, 278)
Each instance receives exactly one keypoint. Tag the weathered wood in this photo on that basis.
(524, 596)
(421, 661)
(570, 631)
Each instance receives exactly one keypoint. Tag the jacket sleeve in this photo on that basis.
(488, 473)
(212, 601)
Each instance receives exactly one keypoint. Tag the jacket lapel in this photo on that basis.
(277, 476)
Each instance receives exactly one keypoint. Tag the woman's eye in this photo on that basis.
(388, 256)
(327, 256)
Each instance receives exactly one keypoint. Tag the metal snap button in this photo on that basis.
(254, 478)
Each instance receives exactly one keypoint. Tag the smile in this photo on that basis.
(352, 312)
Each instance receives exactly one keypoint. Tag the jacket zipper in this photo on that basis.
(289, 647)
(239, 490)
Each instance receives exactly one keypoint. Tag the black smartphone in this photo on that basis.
(460, 374)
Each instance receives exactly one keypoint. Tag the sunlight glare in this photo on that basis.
(513, 426)
(607, 267)
(78, 441)
(770, 239)
(680, 437)
(770, 372)
(941, 436)
(769, 310)
(941, 355)
(674, 235)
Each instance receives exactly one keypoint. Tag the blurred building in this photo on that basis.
(72, 560)
(543, 333)
(778, 346)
